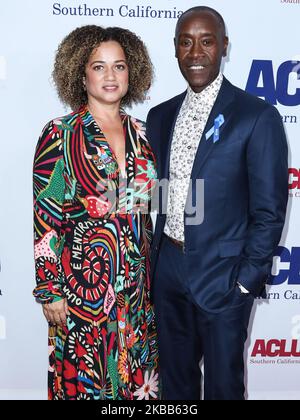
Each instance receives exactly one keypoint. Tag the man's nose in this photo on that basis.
(196, 50)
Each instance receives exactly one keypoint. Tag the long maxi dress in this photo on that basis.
(92, 233)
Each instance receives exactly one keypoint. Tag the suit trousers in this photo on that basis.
(187, 334)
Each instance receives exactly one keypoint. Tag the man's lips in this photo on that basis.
(196, 67)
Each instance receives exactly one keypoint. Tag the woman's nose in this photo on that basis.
(109, 73)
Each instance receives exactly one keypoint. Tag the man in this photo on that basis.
(208, 270)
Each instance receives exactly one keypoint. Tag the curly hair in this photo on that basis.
(75, 50)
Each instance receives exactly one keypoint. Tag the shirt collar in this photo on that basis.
(207, 96)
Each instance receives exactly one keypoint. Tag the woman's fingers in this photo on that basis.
(67, 308)
(50, 315)
(46, 313)
(61, 318)
(56, 312)
(56, 318)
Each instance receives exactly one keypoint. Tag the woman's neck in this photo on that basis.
(105, 112)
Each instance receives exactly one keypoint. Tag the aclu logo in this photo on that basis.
(2, 328)
(276, 348)
(276, 351)
(282, 87)
(286, 267)
(294, 183)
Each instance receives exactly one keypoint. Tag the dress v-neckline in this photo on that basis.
(124, 175)
(104, 139)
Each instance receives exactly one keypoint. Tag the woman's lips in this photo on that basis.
(111, 88)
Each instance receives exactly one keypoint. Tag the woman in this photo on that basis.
(94, 173)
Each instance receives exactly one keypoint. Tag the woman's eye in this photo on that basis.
(97, 68)
(120, 67)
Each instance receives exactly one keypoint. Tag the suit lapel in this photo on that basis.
(167, 134)
(223, 105)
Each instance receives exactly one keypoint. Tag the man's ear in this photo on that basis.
(226, 43)
(175, 45)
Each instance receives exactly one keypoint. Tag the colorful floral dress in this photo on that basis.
(92, 232)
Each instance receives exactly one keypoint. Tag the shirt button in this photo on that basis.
(195, 118)
(189, 147)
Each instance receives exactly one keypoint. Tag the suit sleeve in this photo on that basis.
(48, 200)
(149, 126)
(267, 163)
(150, 123)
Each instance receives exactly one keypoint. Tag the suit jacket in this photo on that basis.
(245, 177)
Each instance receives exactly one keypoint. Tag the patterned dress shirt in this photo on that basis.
(188, 131)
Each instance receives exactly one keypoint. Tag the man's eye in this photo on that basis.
(207, 42)
(185, 42)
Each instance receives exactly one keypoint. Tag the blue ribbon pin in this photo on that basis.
(215, 130)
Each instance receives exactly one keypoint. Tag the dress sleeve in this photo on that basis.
(48, 196)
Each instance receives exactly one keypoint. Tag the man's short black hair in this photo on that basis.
(199, 9)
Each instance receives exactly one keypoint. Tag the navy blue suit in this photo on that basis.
(245, 177)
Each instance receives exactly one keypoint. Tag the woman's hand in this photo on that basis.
(56, 312)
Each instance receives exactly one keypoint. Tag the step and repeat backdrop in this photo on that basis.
(264, 59)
